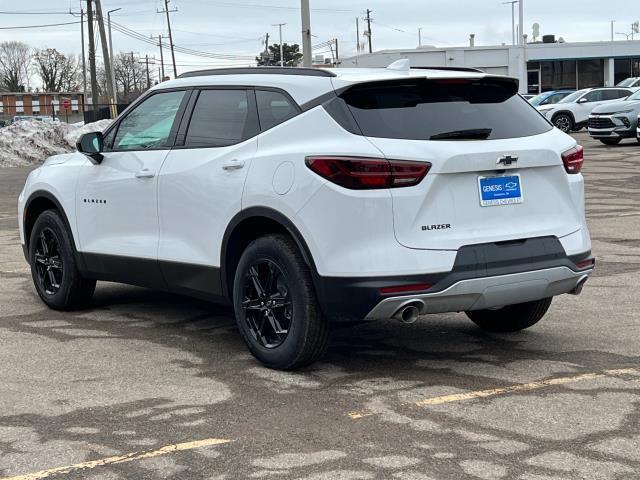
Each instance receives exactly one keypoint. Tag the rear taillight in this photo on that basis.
(358, 173)
(573, 159)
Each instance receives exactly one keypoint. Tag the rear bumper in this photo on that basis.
(488, 292)
(483, 276)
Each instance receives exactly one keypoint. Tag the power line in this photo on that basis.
(40, 26)
(188, 51)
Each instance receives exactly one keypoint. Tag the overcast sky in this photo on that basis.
(238, 27)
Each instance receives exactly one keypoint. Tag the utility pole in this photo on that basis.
(173, 54)
(105, 55)
(114, 87)
(146, 60)
(513, 20)
(419, 37)
(161, 59)
(265, 54)
(369, 29)
(133, 71)
(84, 60)
(92, 58)
(279, 25)
(306, 33)
(337, 55)
(357, 35)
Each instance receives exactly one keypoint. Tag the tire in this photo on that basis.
(53, 265)
(564, 122)
(611, 141)
(511, 318)
(276, 307)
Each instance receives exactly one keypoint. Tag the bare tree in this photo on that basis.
(57, 71)
(130, 76)
(15, 58)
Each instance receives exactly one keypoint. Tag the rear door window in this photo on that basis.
(221, 118)
(446, 109)
(274, 108)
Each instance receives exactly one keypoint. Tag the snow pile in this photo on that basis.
(27, 143)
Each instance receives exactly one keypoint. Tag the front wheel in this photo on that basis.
(53, 265)
(275, 305)
(511, 318)
(564, 122)
(611, 141)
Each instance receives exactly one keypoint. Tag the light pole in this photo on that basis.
(280, 25)
(521, 39)
(612, 22)
(513, 20)
(420, 37)
(112, 73)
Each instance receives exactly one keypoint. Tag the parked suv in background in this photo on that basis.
(308, 196)
(612, 122)
(549, 98)
(572, 112)
(633, 82)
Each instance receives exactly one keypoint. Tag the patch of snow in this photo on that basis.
(27, 143)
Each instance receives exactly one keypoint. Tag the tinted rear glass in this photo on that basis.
(450, 109)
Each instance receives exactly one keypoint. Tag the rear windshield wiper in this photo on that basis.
(470, 134)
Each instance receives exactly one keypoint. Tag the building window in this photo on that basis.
(590, 73)
(557, 75)
(35, 98)
(622, 69)
(18, 98)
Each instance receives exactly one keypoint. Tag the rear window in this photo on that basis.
(448, 109)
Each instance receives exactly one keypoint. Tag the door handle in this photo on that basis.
(235, 164)
(145, 173)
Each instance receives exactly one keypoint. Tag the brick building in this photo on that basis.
(32, 104)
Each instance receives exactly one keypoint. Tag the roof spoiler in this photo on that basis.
(404, 65)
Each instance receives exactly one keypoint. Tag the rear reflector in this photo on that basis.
(417, 287)
(573, 159)
(358, 173)
(586, 263)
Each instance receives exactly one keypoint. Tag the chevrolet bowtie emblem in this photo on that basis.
(507, 160)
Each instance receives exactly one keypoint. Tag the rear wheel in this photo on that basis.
(53, 265)
(611, 141)
(564, 122)
(511, 318)
(276, 307)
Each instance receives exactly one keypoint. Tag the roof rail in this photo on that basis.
(453, 69)
(309, 72)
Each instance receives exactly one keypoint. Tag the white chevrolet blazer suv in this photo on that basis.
(303, 197)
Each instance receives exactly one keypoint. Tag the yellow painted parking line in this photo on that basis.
(521, 387)
(129, 457)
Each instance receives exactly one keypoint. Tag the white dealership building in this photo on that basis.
(549, 66)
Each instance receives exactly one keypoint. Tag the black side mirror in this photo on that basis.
(91, 144)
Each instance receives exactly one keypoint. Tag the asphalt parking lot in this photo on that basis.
(149, 385)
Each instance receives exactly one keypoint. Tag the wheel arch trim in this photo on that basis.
(269, 214)
(38, 194)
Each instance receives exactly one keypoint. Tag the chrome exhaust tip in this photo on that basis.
(579, 286)
(408, 314)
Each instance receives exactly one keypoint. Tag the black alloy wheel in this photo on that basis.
(49, 264)
(275, 304)
(54, 270)
(266, 303)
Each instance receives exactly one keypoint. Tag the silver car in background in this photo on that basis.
(612, 122)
